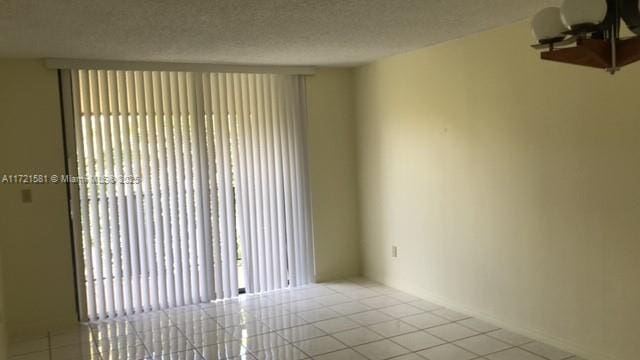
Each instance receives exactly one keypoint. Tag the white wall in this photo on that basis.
(510, 186)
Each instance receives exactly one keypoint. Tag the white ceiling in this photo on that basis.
(294, 32)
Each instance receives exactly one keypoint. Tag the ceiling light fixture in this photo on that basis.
(587, 32)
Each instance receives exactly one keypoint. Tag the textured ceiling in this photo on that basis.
(294, 32)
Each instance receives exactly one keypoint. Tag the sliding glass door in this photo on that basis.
(189, 186)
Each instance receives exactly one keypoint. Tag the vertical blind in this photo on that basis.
(179, 173)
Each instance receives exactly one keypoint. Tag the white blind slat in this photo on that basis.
(308, 223)
(224, 185)
(286, 113)
(115, 205)
(277, 100)
(153, 190)
(262, 183)
(167, 184)
(240, 179)
(253, 167)
(203, 213)
(80, 135)
(140, 245)
(125, 203)
(188, 150)
(182, 166)
(212, 184)
(232, 188)
(94, 170)
(196, 243)
(177, 189)
(271, 186)
(108, 199)
(145, 189)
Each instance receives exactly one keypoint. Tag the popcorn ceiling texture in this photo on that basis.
(294, 32)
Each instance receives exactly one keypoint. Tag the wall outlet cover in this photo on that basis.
(25, 194)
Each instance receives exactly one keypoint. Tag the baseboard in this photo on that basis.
(31, 330)
(534, 334)
(320, 278)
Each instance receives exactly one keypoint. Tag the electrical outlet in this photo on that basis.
(394, 251)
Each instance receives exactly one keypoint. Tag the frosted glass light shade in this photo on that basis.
(580, 12)
(547, 24)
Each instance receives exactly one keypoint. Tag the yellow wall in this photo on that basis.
(38, 269)
(332, 173)
(37, 249)
(510, 186)
(3, 329)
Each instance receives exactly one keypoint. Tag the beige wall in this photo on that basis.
(332, 173)
(38, 269)
(509, 185)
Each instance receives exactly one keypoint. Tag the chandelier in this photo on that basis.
(587, 33)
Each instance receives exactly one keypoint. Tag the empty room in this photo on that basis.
(320, 179)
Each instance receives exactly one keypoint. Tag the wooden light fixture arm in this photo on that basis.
(601, 46)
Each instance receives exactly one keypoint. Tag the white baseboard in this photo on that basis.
(534, 334)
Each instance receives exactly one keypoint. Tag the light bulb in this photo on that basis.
(630, 12)
(547, 25)
(583, 12)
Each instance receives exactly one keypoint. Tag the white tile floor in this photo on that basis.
(347, 320)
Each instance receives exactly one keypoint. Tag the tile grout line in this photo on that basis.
(282, 304)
